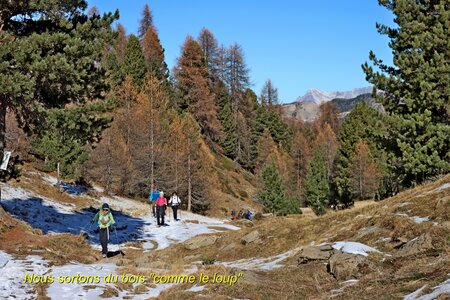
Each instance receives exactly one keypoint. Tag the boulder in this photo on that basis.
(228, 247)
(309, 253)
(200, 242)
(345, 266)
(446, 224)
(415, 246)
(140, 289)
(250, 238)
(244, 222)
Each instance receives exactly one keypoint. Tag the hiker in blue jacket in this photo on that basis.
(153, 196)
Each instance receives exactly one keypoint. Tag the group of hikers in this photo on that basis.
(241, 215)
(105, 220)
(159, 205)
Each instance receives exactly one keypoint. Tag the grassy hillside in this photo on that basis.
(421, 214)
(410, 232)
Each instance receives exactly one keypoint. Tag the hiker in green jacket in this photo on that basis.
(105, 220)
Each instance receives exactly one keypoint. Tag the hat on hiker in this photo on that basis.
(105, 206)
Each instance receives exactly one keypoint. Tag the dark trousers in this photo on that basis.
(175, 210)
(160, 214)
(154, 208)
(104, 235)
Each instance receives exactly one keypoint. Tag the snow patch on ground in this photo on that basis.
(12, 272)
(78, 290)
(442, 289)
(53, 217)
(267, 264)
(12, 286)
(354, 248)
(345, 284)
(196, 288)
(16, 193)
(416, 219)
(178, 231)
(442, 187)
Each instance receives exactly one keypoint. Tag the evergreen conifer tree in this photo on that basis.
(416, 89)
(50, 53)
(316, 184)
(134, 61)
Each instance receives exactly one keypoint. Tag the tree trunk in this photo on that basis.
(189, 183)
(152, 146)
(2, 143)
(2, 128)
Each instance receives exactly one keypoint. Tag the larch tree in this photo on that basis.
(123, 134)
(194, 85)
(416, 88)
(120, 44)
(329, 113)
(269, 94)
(150, 118)
(365, 176)
(196, 166)
(236, 75)
(209, 45)
(326, 141)
(154, 54)
(145, 22)
(301, 155)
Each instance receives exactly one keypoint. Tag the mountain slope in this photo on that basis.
(308, 111)
(389, 249)
(318, 96)
(382, 250)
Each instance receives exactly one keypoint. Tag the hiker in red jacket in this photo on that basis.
(161, 204)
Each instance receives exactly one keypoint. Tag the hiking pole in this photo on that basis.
(117, 239)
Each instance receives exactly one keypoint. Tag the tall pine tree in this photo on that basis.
(416, 89)
(316, 184)
(134, 61)
(49, 52)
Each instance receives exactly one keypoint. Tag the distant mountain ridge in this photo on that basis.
(307, 106)
(318, 96)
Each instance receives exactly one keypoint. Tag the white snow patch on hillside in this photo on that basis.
(267, 264)
(77, 290)
(345, 284)
(196, 288)
(178, 231)
(416, 219)
(354, 248)
(11, 193)
(442, 187)
(442, 289)
(12, 272)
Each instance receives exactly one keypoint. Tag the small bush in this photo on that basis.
(243, 194)
(257, 216)
(208, 261)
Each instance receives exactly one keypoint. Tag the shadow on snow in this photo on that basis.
(46, 217)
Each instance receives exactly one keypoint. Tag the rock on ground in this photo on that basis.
(309, 253)
(250, 238)
(415, 246)
(199, 242)
(345, 266)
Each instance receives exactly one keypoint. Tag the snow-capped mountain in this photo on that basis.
(318, 96)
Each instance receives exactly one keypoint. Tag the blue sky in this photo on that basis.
(298, 44)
